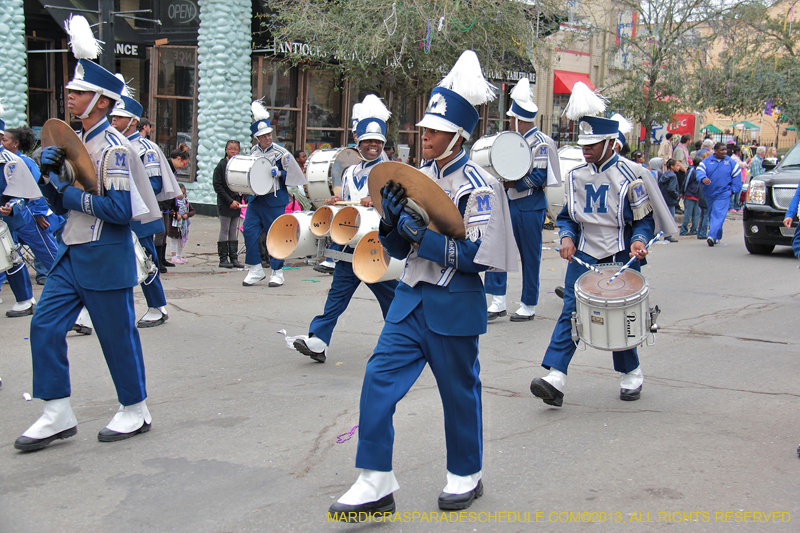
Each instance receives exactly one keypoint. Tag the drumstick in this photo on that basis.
(347, 203)
(634, 258)
(585, 264)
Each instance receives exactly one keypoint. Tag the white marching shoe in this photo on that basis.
(153, 317)
(254, 275)
(630, 385)
(23, 308)
(276, 279)
(498, 307)
(550, 388)
(460, 491)
(314, 347)
(84, 324)
(57, 422)
(372, 493)
(524, 313)
(128, 421)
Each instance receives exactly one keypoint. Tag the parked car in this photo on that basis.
(768, 198)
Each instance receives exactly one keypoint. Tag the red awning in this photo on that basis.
(564, 81)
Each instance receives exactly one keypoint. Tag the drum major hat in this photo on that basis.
(261, 126)
(522, 104)
(89, 76)
(372, 119)
(451, 107)
(126, 106)
(584, 105)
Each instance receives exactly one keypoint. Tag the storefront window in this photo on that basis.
(316, 139)
(324, 101)
(563, 129)
(498, 120)
(277, 85)
(41, 90)
(176, 71)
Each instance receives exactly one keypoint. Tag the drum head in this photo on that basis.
(345, 158)
(511, 155)
(261, 176)
(626, 284)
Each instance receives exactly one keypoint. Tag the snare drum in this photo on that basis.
(8, 250)
(505, 155)
(324, 169)
(613, 316)
(249, 175)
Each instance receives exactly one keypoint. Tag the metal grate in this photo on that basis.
(782, 196)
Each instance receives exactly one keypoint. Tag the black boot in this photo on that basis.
(222, 250)
(162, 268)
(233, 253)
(162, 251)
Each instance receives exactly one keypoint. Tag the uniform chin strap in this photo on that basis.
(449, 150)
(362, 155)
(90, 107)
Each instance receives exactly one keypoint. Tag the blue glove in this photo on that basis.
(274, 172)
(52, 159)
(278, 173)
(410, 229)
(393, 199)
(58, 181)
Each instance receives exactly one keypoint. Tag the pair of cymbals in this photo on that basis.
(443, 213)
(58, 133)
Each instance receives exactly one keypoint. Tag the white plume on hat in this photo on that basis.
(521, 93)
(126, 90)
(584, 102)
(625, 125)
(2, 109)
(466, 79)
(259, 111)
(356, 114)
(372, 107)
(81, 38)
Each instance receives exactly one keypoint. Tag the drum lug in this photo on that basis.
(652, 316)
(577, 330)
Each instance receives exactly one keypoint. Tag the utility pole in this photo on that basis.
(106, 34)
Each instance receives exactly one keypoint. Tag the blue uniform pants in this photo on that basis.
(561, 349)
(41, 242)
(796, 242)
(154, 292)
(114, 322)
(260, 216)
(528, 227)
(20, 282)
(401, 354)
(343, 286)
(718, 210)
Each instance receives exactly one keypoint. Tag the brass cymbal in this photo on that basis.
(443, 213)
(58, 133)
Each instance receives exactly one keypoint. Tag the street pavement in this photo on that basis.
(244, 434)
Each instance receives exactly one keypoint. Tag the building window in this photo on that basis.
(41, 86)
(324, 120)
(562, 129)
(276, 83)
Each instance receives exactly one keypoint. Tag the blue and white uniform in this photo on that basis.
(436, 317)
(792, 212)
(345, 282)
(528, 205)
(726, 179)
(96, 268)
(607, 209)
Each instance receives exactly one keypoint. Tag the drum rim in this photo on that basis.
(619, 301)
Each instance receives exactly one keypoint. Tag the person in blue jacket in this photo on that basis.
(95, 266)
(528, 205)
(791, 215)
(371, 135)
(40, 223)
(264, 209)
(721, 176)
(439, 308)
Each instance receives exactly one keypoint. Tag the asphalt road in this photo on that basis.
(245, 430)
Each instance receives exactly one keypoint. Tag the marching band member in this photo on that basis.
(125, 119)
(439, 309)
(608, 218)
(528, 205)
(371, 136)
(263, 210)
(95, 266)
(16, 185)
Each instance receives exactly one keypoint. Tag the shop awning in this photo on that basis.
(710, 128)
(745, 125)
(791, 128)
(122, 30)
(564, 81)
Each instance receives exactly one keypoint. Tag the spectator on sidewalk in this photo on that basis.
(668, 184)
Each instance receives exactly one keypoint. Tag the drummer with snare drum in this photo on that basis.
(608, 218)
(264, 209)
(370, 133)
(528, 205)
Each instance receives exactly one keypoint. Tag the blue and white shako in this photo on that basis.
(522, 105)
(261, 126)
(127, 107)
(372, 118)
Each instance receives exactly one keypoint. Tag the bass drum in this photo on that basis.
(505, 155)
(324, 169)
(569, 157)
(249, 175)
